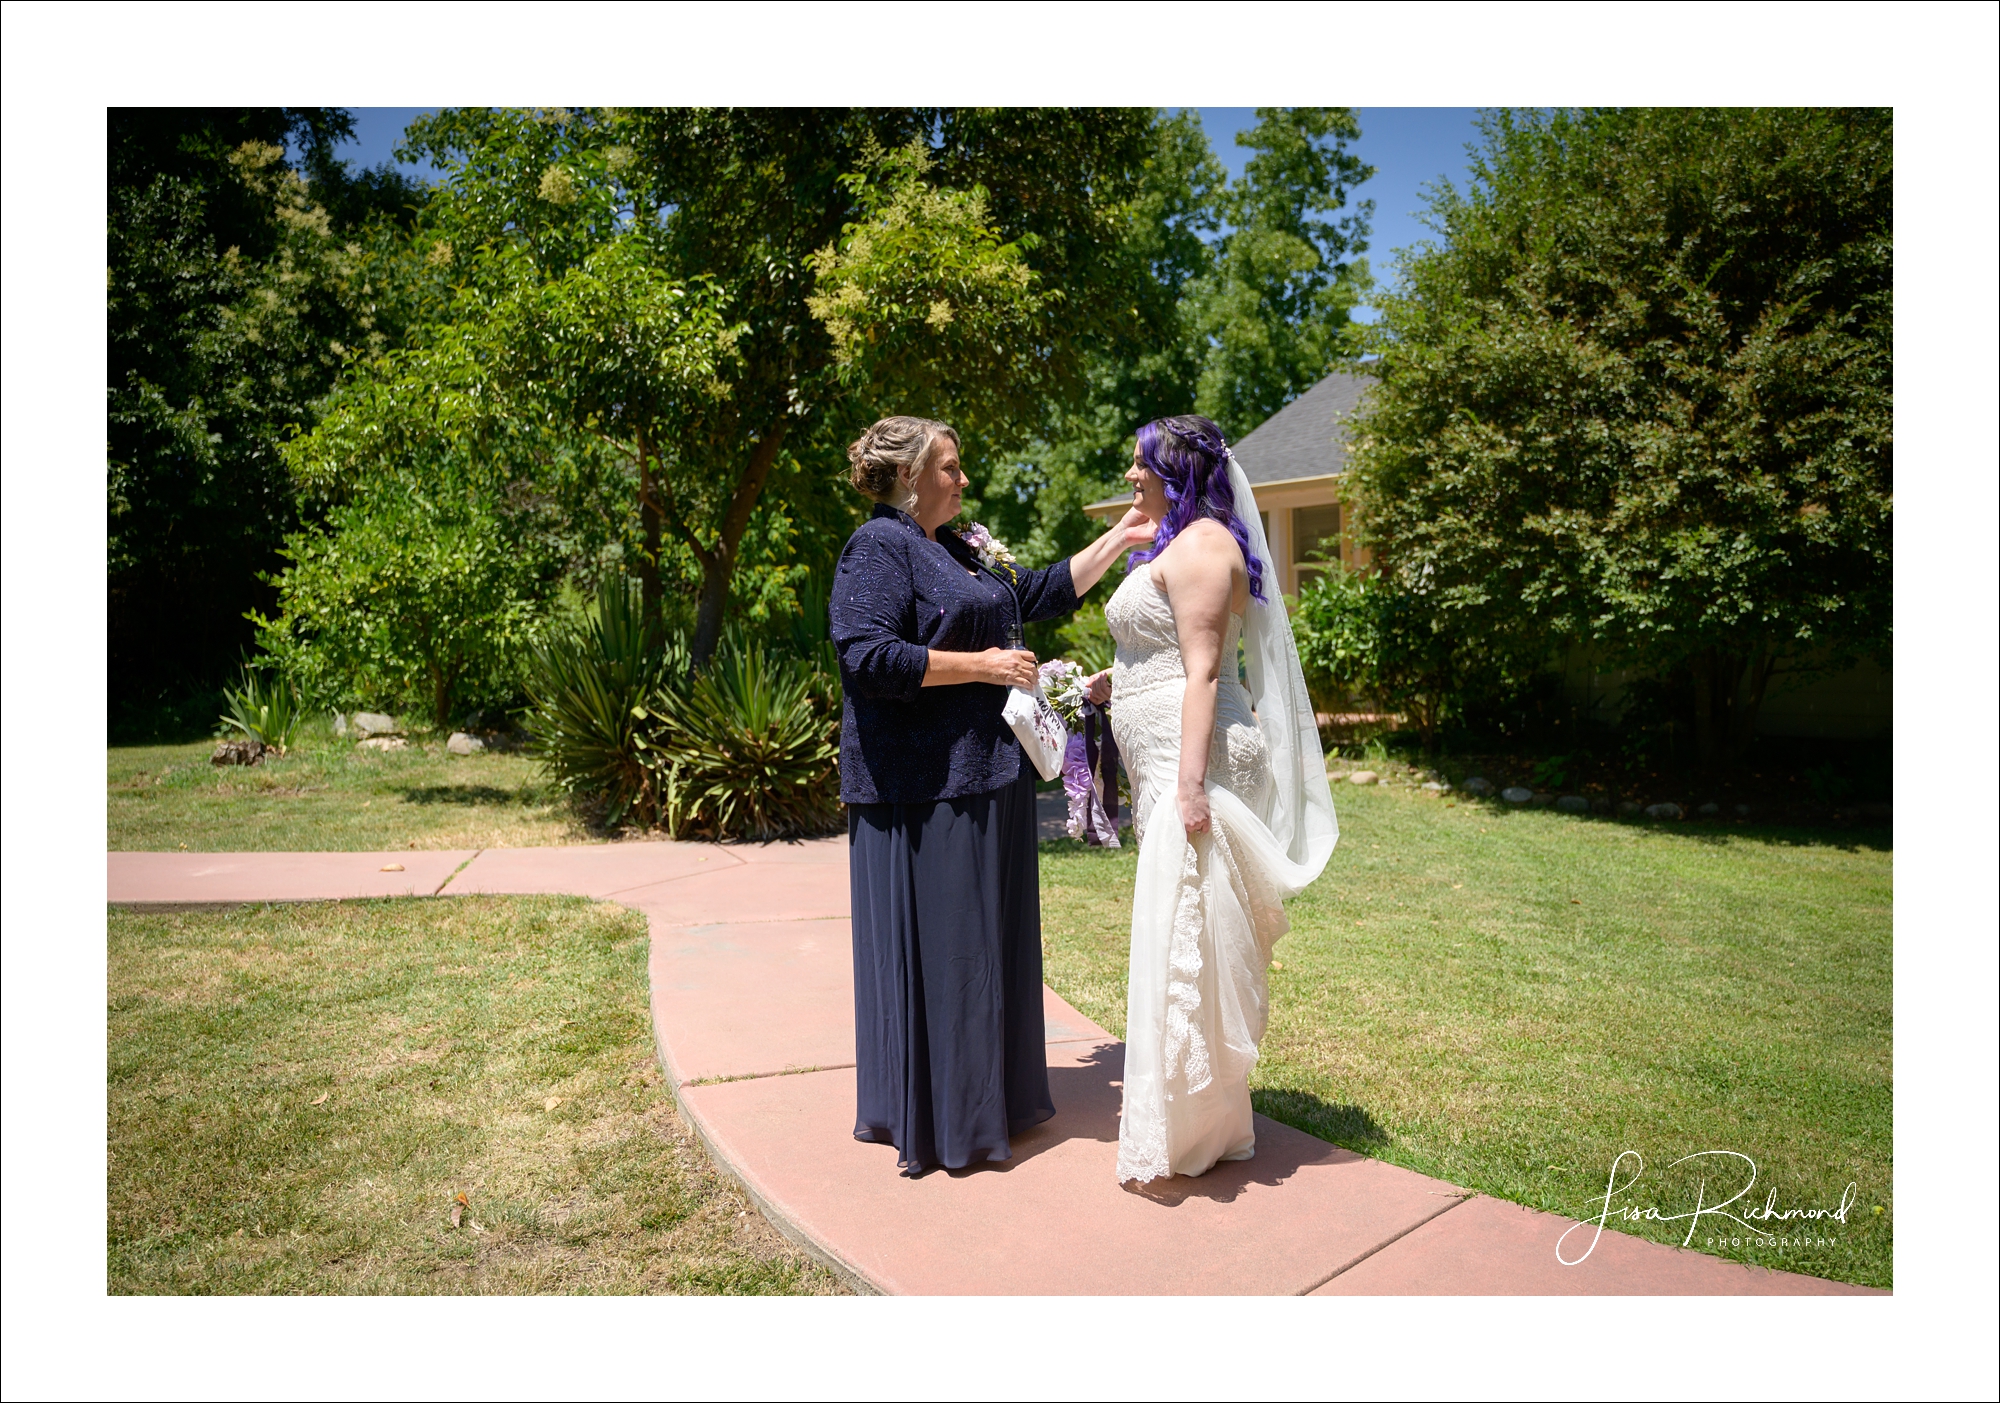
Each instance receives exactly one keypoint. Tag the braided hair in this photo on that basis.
(1188, 455)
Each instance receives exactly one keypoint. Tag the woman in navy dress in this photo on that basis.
(949, 1058)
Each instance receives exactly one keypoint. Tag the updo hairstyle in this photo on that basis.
(889, 454)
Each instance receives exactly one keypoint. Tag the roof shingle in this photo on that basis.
(1307, 438)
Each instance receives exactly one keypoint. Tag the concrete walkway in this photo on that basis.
(752, 999)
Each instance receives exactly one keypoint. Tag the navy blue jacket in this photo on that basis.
(896, 595)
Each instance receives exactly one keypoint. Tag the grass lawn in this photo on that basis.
(329, 795)
(298, 1094)
(1509, 999)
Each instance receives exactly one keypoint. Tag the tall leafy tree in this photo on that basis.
(239, 283)
(1638, 395)
(1274, 316)
(1237, 297)
(762, 210)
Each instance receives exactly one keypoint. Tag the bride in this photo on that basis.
(1230, 798)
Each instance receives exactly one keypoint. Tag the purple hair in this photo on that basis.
(1187, 454)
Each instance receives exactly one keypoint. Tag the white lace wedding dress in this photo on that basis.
(1206, 913)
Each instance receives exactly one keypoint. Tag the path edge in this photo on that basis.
(849, 1275)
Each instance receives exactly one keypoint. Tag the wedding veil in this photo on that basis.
(1301, 817)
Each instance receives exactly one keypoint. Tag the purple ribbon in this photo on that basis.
(1090, 779)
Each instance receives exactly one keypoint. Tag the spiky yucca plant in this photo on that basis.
(591, 689)
(749, 750)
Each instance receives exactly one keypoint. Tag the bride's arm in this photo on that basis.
(1198, 571)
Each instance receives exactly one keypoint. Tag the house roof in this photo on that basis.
(1306, 439)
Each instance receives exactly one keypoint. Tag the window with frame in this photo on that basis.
(1315, 529)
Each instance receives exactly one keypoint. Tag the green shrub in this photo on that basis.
(269, 711)
(747, 749)
(750, 749)
(405, 600)
(590, 686)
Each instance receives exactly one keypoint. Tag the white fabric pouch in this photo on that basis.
(1039, 729)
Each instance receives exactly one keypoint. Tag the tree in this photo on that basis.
(1273, 317)
(756, 207)
(240, 281)
(1236, 297)
(1639, 396)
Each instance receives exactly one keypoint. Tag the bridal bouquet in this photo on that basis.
(1063, 683)
(1090, 757)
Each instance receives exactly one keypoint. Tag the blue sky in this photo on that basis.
(1410, 147)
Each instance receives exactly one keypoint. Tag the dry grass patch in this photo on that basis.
(299, 1095)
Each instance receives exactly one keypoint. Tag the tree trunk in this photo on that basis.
(719, 564)
(1750, 700)
(440, 697)
(652, 598)
(1704, 709)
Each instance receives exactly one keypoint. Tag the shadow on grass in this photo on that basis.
(469, 795)
(1858, 836)
(1350, 1127)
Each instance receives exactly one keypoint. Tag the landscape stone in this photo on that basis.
(1540, 800)
(1573, 804)
(1479, 787)
(1663, 811)
(1709, 810)
(385, 743)
(1363, 777)
(1437, 786)
(1628, 807)
(340, 723)
(237, 752)
(1600, 806)
(373, 723)
(1514, 794)
(462, 744)
(1743, 811)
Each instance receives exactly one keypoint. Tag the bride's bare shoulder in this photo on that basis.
(1206, 543)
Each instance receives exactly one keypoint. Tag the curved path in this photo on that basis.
(752, 1008)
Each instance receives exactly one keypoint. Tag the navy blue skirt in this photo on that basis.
(948, 1040)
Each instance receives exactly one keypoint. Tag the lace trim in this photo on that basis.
(1142, 1154)
(1184, 1051)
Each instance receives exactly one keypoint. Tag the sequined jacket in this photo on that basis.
(896, 595)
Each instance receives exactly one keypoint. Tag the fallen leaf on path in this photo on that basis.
(1276, 965)
(552, 1103)
(393, 867)
(458, 1207)
(320, 1100)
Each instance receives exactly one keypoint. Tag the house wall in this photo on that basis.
(1277, 501)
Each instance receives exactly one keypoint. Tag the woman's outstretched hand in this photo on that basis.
(1136, 528)
(1098, 689)
(1088, 565)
